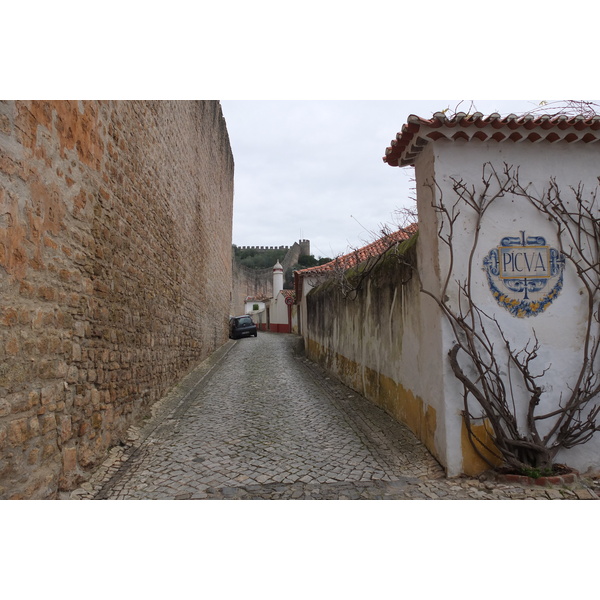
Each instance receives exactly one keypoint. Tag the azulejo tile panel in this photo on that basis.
(525, 275)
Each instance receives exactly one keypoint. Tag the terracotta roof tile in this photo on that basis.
(351, 259)
(418, 132)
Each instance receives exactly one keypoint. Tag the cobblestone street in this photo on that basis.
(257, 420)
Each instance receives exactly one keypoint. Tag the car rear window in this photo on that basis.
(245, 321)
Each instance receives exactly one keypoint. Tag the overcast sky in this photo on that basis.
(314, 170)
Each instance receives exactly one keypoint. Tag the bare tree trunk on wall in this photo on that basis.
(488, 366)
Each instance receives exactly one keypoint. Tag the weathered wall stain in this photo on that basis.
(473, 463)
(370, 339)
(388, 394)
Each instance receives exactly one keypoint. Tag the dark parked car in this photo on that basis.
(241, 327)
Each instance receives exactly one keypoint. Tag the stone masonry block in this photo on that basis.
(18, 432)
(69, 458)
(64, 428)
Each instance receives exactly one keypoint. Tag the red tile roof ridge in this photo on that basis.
(355, 257)
(418, 131)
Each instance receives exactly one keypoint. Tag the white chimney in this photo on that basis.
(277, 279)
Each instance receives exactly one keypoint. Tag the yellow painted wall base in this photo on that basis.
(383, 391)
(473, 464)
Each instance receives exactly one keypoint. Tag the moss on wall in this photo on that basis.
(360, 337)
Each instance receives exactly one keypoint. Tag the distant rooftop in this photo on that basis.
(347, 261)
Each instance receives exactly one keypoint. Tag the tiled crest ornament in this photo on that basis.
(525, 275)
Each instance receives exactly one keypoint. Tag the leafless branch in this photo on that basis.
(474, 356)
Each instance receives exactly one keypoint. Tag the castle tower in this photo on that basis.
(277, 279)
(304, 247)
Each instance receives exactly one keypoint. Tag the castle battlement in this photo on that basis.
(304, 245)
(263, 247)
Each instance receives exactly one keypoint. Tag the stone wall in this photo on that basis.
(115, 273)
(256, 283)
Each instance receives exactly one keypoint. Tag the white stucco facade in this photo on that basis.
(256, 309)
(559, 328)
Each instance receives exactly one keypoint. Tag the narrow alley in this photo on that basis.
(259, 421)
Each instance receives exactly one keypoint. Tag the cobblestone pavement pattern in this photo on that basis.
(257, 420)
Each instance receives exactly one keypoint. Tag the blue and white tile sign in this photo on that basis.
(525, 275)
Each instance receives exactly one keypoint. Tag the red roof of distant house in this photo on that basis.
(378, 247)
(418, 132)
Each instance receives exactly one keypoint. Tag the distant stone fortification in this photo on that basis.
(259, 282)
(302, 247)
(258, 248)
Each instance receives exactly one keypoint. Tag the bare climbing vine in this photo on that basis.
(488, 366)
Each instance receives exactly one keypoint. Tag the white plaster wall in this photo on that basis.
(559, 328)
(249, 307)
(384, 330)
(427, 376)
(279, 310)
